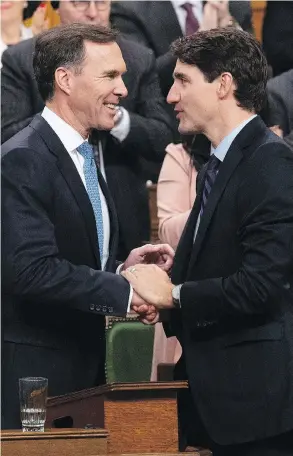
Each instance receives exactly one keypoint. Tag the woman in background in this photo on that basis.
(176, 192)
(12, 28)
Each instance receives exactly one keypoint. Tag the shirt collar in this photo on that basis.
(70, 138)
(222, 149)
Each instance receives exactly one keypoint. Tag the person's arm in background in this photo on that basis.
(175, 193)
(17, 91)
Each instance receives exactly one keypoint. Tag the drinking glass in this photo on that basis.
(33, 396)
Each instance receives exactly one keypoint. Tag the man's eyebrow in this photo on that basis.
(180, 76)
(111, 73)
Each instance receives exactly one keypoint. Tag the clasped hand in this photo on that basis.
(146, 270)
(152, 291)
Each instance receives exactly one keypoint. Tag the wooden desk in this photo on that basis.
(140, 417)
(55, 442)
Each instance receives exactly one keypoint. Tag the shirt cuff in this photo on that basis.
(121, 130)
(131, 289)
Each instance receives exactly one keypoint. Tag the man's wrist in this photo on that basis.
(176, 296)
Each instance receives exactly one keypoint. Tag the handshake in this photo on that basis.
(147, 269)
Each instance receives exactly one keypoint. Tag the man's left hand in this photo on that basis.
(159, 254)
(152, 284)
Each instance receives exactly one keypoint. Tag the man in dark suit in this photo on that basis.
(59, 224)
(135, 147)
(230, 294)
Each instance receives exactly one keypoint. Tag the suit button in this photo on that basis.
(110, 309)
(98, 308)
(92, 307)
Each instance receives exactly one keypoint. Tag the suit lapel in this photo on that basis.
(185, 245)
(71, 176)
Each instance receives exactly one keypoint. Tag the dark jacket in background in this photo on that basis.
(280, 95)
(278, 35)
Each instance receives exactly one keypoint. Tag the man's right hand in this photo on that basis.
(148, 314)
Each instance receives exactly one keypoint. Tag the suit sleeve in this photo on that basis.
(266, 237)
(32, 267)
(17, 108)
(150, 125)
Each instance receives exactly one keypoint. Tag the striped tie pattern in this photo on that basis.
(210, 177)
(92, 187)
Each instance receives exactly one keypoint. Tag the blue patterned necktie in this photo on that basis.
(210, 177)
(92, 187)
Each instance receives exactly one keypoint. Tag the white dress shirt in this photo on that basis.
(71, 139)
(181, 13)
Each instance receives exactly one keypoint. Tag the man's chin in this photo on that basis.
(105, 126)
(183, 130)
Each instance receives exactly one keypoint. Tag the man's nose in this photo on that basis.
(121, 89)
(173, 96)
(92, 11)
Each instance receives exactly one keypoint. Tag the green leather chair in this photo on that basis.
(129, 350)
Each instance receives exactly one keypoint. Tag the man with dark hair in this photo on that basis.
(230, 296)
(59, 225)
(134, 148)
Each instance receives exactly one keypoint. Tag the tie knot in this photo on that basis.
(86, 150)
(213, 163)
(187, 7)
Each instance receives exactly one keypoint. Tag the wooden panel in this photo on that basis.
(258, 12)
(61, 442)
(151, 425)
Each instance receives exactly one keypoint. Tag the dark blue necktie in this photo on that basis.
(210, 177)
(92, 187)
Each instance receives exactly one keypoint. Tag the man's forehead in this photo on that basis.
(107, 54)
(182, 67)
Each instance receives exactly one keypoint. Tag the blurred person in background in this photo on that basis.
(12, 28)
(280, 100)
(277, 35)
(142, 124)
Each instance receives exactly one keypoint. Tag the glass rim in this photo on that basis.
(33, 379)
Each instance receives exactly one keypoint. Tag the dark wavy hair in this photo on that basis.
(228, 50)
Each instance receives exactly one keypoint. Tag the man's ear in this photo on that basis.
(225, 85)
(63, 78)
